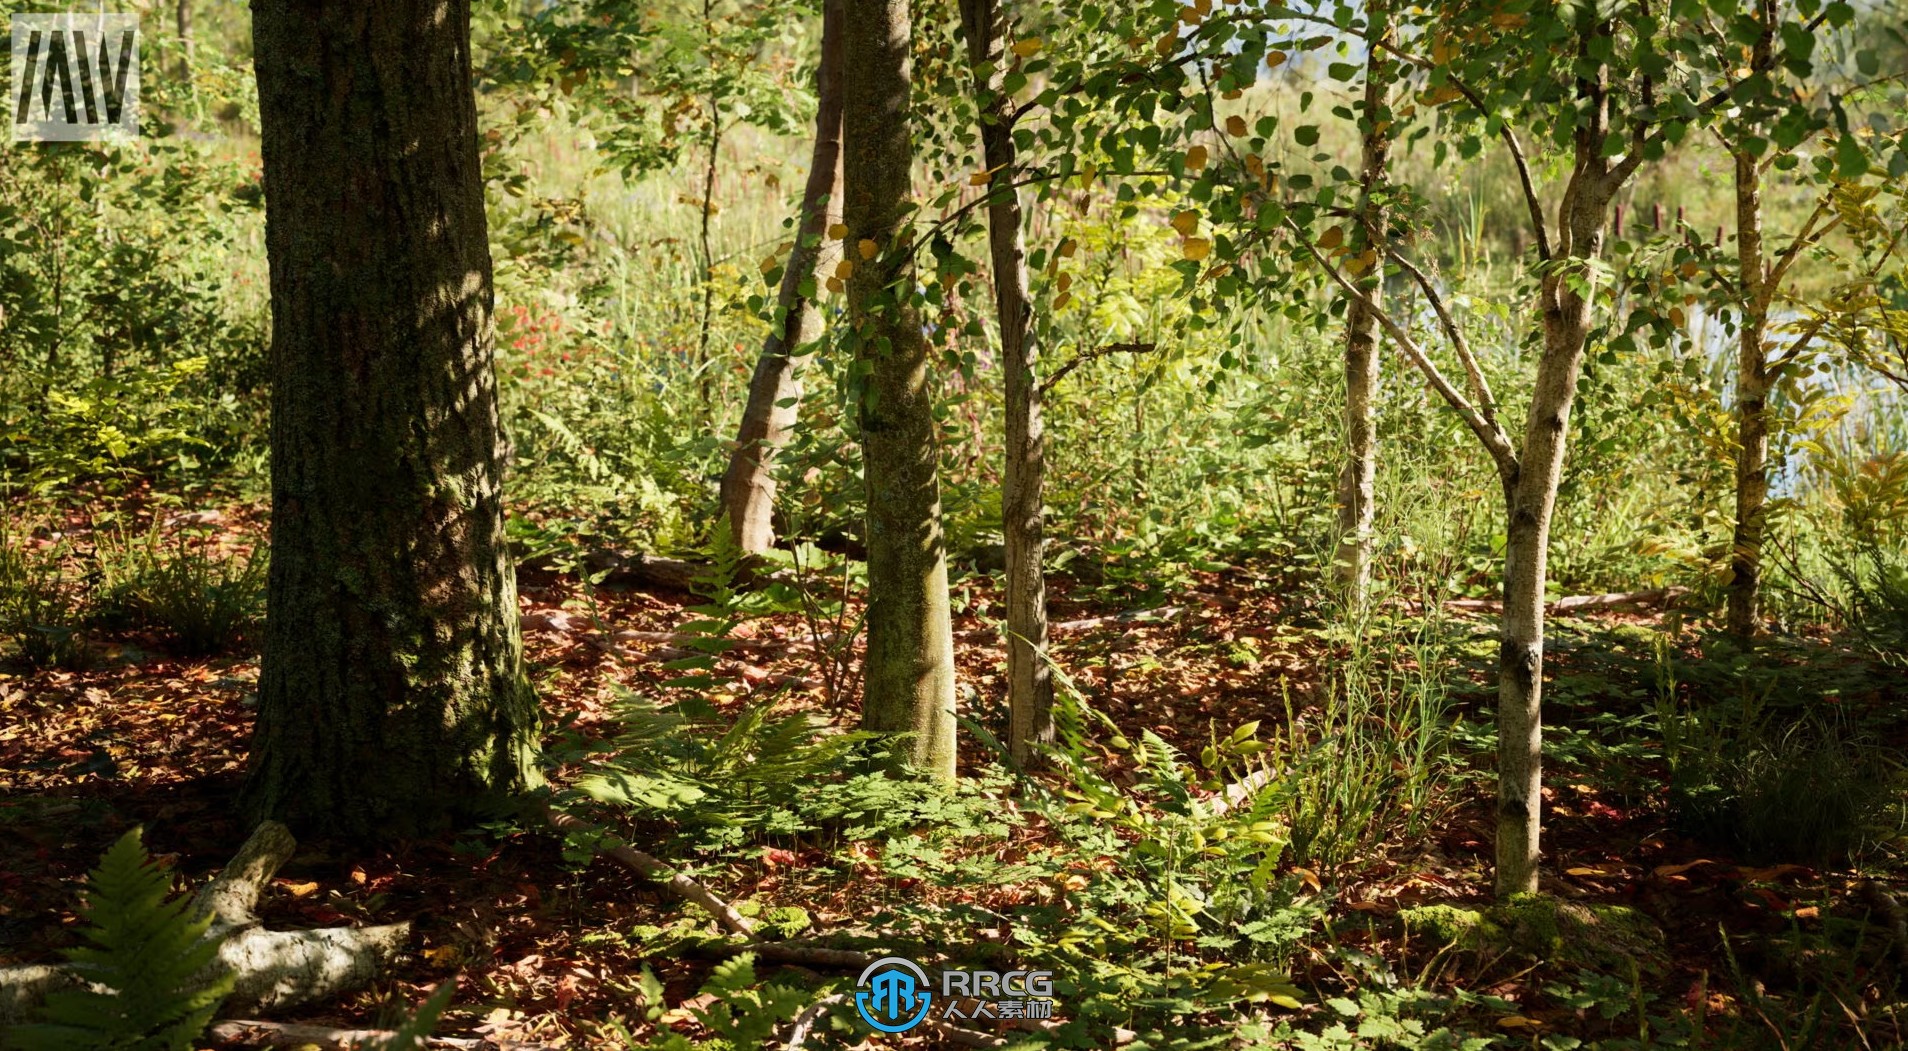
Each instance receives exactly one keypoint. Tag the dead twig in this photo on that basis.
(651, 868)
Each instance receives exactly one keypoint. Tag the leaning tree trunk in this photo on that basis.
(909, 667)
(1357, 481)
(748, 487)
(1029, 680)
(1530, 494)
(1752, 401)
(392, 695)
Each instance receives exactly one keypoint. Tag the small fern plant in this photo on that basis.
(147, 977)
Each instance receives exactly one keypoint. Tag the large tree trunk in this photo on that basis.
(1029, 681)
(909, 668)
(1530, 495)
(748, 487)
(1752, 399)
(1358, 478)
(392, 695)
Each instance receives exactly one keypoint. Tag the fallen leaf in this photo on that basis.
(1666, 871)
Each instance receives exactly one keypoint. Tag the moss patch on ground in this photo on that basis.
(1547, 928)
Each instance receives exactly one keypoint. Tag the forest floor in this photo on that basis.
(543, 947)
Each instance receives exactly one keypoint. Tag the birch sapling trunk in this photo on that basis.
(1752, 402)
(908, 684)
(1357, 480)
(1029, 681)
(748, 486)
(1530, 494)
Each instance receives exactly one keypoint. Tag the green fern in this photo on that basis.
(145, 971)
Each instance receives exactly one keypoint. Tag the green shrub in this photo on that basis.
(1773, 785)
(41, 609)
(204, 601)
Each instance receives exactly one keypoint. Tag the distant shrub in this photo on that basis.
(41, 610)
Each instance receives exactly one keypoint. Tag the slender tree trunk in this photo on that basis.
(1357, 480)
(392, 697)
(909, 669)
(1530, 494)
(748, 487)
(182, 16)
(1030, 682)
(1752, 386)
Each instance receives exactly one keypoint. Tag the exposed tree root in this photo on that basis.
(273, 970)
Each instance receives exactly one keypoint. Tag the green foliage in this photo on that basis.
(153, 978)
(204, 601)
(1776, 784)
(734, 1006)
(42, 610)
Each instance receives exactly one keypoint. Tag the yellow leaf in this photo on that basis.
(1518, 1022)
(1186, 222)
(1235, 125)
(1307, 877)
(301, 890)
(1275, 60)
(1332, 239)
(1586, 871)
(844, 268)
(834, 284)
(837, 231)
(868, 248)
(1028, 48)
(1167, 44)
(1196, 158)
(1196, 248)
(441, 955)
(1362, 262)
(769, 263)
(979, 179)
(1068, 247)
(1060, 301)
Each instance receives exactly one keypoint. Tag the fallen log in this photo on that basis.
(272, 970)
(1608, 600)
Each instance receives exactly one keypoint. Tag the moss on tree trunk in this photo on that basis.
(392, 695)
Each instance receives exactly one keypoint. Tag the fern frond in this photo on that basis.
(148, 967)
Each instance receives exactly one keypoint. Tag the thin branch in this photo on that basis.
(1480, 387)
(1493, 438)
(651, 868)
(1093, 355)
(1505, 132)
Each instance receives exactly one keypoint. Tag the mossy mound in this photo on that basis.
(1550, 929)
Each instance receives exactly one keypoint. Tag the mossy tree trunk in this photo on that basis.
(748, 486)
(392, 696)
(1029, 681)
(909, 667)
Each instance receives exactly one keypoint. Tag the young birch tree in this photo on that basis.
(775, 392)
(1029, 682)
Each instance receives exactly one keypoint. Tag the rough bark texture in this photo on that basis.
(1358, 478)
(1029, 680)
(392, 695)
(748, 486)
(909, 667)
